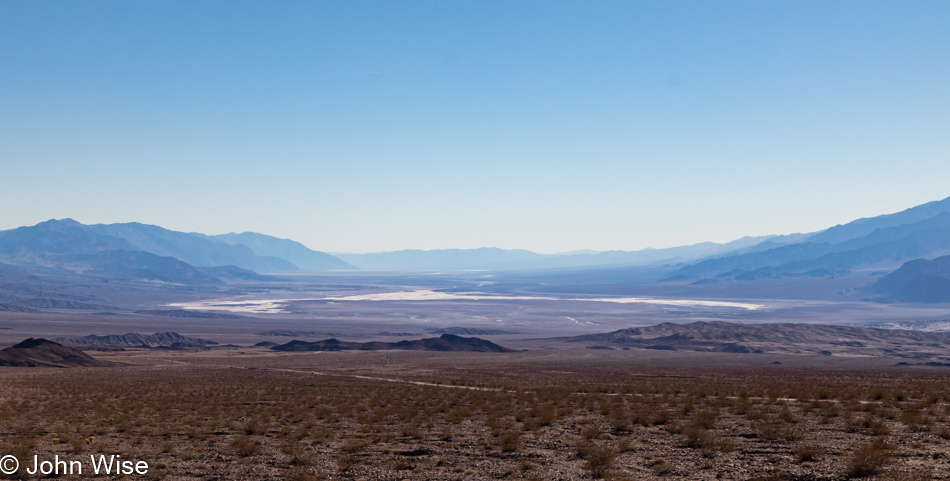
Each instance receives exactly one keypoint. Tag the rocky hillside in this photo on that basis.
(44, 353)
(446, 342)
(159, 339)
(776, 338)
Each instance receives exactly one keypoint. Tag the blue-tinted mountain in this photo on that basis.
(883, 247)
(45, 243)
(191, 248)
(236, 273)
(70, 247)
(919, 280)
(865, 226)
(486, 258)
(264, 245)
(125, 265)
(507, 260)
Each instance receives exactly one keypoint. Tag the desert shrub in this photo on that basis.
(709, 442)
(254, 426)
(868, 460)
(660, 417)
(756, 415)
(786, 415)
(660, 466)
(705, 419)
(741, 406)
(694, 435)
(356, 445)
(412, 429)
(806, 452)
(509, 441)
(599, 457)
(591, 432)
(244, 445)
(346, 461)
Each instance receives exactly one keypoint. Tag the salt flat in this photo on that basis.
(269, 306)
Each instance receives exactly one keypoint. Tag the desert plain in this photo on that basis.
(705, 393)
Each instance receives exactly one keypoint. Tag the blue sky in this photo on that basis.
(550, 126)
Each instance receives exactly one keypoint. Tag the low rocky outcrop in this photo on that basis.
(775, 338)
(446, 342)
(44, 353)
(172, 340)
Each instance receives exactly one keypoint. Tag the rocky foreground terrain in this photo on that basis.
(572, 413)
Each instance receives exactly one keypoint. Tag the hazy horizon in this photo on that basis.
(550, 127)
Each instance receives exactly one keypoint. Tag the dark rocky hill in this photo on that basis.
(777, 338)
(159, 339)
(44, 353)
(446, 342)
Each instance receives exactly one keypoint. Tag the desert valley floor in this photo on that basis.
(722, 387)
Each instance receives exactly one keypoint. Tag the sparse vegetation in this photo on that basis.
(593, 422)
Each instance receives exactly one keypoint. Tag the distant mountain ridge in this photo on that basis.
(134, 251)
(141, 251)
(865, 226)
(292, 251)
(919, 280)
(884, 242)
(193, 249)
(491, 258)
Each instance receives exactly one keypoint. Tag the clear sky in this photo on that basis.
(357, 126)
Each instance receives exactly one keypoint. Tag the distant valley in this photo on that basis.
(131, 274)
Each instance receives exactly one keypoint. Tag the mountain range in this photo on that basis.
(877, 243)
(299, 255)
(134, 251)
(490, 258)
(140, 251)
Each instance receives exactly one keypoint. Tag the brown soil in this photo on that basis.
(545, 413)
